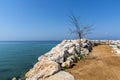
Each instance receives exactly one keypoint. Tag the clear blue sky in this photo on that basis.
(48, 19)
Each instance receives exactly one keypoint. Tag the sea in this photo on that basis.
(17, 57)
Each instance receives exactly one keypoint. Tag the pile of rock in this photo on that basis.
(106, 42)
(115, 44)
(62, 56)
(101, 42)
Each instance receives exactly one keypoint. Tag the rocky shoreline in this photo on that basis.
(51, 65)
(66, 53)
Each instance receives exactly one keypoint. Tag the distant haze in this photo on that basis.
(48, 19)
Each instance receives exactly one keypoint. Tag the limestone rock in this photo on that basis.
(72, 50)
(14, 78)
(85, 52)
(83, 40)
(84, 45)
(41, 69)
(118, 46)
(117, 51)
(62, 75)
(57, 54)
(72, 58)
(67, 64)
(77, 48)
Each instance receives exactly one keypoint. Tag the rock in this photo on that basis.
(106, 42)
(14, 78)
(69, 45)
(60, 57)
(97, 42)
(75, 42)
(41, 69)
(72, 58)
(72, 50)
(117, 51)
(67, 64)
(118, 46)
(62, 75)
(57, 54)
(63, 42)
(43, 58)
(83, 40)
(85, 45)
(78, 48)
(92, 43)
(85, 52)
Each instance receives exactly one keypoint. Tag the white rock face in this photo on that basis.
(71, 50)
(14, 78)
(62, 75)
(85, 51)
(67, 64)
(72, 58)
(118, 46)
(117, 51)
(42, 69)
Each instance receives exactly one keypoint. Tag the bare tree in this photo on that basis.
(80, 30)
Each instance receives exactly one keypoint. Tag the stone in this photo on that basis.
(62, 75)
(63, 42)
(117, 51)
(118, 46)
(73, 58)
(14, 78)
(69, 45)
(92, 43)
(67, 64)
(78, 48)
(60, 57)
(85, 52)
(72, 50)
(43, 58)
(84, 45)
(89, 47)
(42, 69)
(57, 54)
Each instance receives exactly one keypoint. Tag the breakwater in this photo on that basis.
(64, 55)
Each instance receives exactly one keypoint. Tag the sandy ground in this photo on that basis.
(101, 64)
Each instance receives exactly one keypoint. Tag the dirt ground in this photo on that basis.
(101, 64)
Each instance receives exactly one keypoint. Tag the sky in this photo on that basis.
(48, 19)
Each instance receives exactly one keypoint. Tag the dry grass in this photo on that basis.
(101, 64)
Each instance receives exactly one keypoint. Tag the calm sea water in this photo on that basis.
(16, 58)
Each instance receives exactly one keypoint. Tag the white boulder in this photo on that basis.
(42, 69)
(62, 75)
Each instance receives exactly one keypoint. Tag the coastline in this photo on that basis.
(19, 57)
(63, 56)
(66, 49)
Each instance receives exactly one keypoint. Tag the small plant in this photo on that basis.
(63, 69)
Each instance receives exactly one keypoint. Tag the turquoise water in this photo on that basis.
(16, 58)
